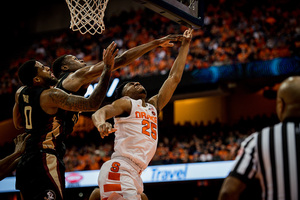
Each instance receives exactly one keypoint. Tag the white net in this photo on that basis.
(87, 15)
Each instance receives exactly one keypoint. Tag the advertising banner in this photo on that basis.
(152, 174)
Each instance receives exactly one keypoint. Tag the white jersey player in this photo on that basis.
(136, 131)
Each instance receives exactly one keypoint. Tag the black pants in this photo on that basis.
(41, 176)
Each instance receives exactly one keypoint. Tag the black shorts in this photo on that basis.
(41, 176)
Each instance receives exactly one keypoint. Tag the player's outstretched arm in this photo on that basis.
(117, 108)
(166, 91)
(130, 55)
(87, 74)
(54, 98)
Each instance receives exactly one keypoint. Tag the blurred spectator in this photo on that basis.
(233, 33)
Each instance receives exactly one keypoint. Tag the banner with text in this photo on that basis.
(152, 174)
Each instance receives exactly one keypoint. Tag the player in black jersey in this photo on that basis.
(40, 173)
(75, 76)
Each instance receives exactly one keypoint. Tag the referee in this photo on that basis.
(273, 154)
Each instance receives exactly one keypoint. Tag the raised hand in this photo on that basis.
(20, 142)
(109, 55)
(187, 36)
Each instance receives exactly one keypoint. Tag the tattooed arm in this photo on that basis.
(87, 74)
(54, 98)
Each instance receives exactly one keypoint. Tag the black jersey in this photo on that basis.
(44, 128)
(68, 119)
(40, 172)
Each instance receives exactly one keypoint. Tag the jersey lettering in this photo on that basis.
(75, 118)
(26, 98)
(28, 120)
(145, 116)
(115, 167)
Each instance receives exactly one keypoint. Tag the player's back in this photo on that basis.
(136, 136)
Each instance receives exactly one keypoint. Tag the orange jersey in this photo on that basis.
(136, 136)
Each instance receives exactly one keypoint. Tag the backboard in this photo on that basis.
(190, 14)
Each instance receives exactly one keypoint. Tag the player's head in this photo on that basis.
(132, 89)
(288, 99)
(66, 63)
(33, 73)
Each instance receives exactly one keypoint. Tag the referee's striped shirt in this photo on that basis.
(273, 156)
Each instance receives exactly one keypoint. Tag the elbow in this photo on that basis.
(176, 79)
(228, 193)
(18, 127)
(17, 124)
(95, 107)
(93, 104)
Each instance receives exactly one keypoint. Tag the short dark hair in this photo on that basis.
(119, 90)
(56, 66)
(27, 72)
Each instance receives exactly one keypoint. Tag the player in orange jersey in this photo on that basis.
(135, 131)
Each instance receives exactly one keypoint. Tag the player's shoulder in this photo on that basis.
(126, 98)
(122, 101)
(53, 93)
(20, 89)
(153, 101)
(17, 94)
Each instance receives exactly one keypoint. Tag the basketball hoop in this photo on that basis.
(87, 15)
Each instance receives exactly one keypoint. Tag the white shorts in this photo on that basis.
(122, 176)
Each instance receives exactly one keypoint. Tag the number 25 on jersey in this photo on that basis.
(149, 128)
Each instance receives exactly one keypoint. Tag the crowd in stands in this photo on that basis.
(177, 144)
(233, 32)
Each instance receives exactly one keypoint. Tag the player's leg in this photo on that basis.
(144, 196)
(95, 195)
(116, 175)
(40, 178)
